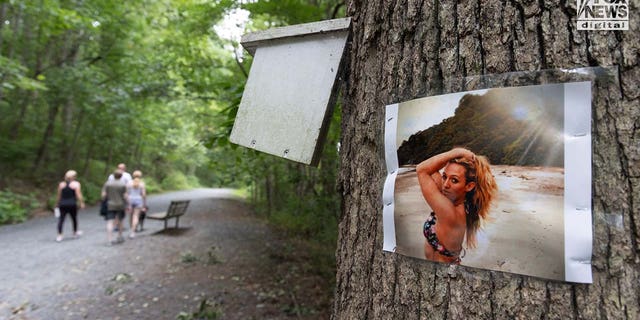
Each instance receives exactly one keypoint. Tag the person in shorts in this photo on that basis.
(115, 191)
(137, 201)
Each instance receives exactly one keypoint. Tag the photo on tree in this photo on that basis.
(498, 179)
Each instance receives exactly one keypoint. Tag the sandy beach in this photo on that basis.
(525, 235)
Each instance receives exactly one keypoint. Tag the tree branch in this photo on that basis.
(336, 9)
(239, 63)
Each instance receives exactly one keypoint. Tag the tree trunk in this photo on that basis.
(137, 150)
(87, 159)
(108, 166)
(268, 189)
(69, 108)
(48, 133)
(73, 148)
(15, 20)
(406, 49)
(3, 16)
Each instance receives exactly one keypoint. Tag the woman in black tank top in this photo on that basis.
(69, 196)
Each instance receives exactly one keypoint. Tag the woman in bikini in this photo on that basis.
(460, 197)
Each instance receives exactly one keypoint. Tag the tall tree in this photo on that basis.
(409, 48)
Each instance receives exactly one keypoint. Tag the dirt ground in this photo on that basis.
(222, 263)
(525, 233)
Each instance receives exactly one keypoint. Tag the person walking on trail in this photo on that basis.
(68, 197)
(137, 201)
(126, 177)
(115, 191)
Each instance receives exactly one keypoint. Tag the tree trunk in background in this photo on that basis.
(70, 57)
(269, 192)
(15, 21)
(48, 133)
(73, 148)
(406, 49)
(3, 17)
(87, 160)
(137, 150)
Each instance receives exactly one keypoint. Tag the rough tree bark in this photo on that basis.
(409, 48)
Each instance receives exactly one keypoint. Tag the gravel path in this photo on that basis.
(221, 254)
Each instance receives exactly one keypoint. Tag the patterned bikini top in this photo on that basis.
(429, 231)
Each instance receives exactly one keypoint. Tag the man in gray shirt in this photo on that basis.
(117, 200)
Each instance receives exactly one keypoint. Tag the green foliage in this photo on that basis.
(307, 218)
(14, 207)
(288, 12)
(14, 76)
(16, 153)
(188, 257)
(152, 186)
(91, 192)
(177, 180)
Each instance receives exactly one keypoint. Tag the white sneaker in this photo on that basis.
(58, 238)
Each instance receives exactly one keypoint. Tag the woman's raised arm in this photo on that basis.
(437, 162)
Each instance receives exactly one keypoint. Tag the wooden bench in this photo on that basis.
(176, 209)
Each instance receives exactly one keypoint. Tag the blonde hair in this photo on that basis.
(71, 174)
(136, 178)
(477, 201)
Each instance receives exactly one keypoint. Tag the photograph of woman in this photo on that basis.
(477, 179)
(460, 197)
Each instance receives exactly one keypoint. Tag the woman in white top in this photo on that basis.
(137, 200)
